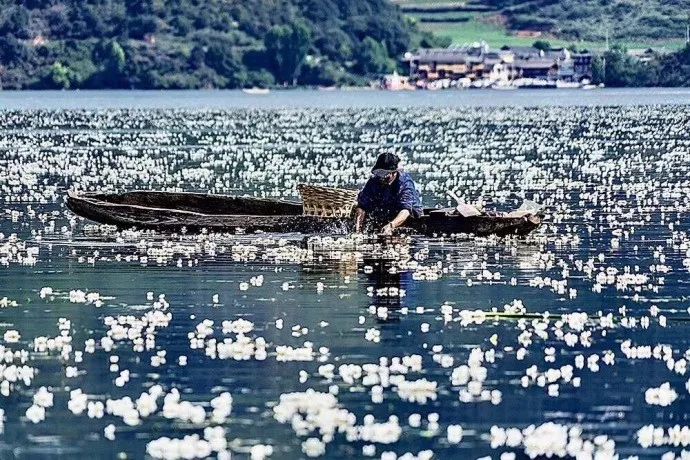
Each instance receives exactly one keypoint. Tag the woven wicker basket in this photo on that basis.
(327, 201)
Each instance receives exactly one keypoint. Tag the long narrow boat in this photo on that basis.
(172, 211)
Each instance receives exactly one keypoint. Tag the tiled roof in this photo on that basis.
(524, 50)
(534, 63)
(445, 55)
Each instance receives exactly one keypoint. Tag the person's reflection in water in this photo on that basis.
(391, 287)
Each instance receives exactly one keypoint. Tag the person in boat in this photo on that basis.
(389, 197)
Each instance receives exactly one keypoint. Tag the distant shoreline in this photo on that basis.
(364, 98)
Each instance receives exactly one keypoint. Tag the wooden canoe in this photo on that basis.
(196, 211)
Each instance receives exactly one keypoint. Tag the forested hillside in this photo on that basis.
(634, 23)
(590, 19)
(198, 43)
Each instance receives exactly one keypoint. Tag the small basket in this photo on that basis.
(323, 201)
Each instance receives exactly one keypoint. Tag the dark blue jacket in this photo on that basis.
(389, 200)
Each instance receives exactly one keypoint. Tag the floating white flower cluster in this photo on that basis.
(373, 335)
(554, 440)
(14, 369)
(423, 455)
(141, 331)
(471, 377)
(239, 326)
(415, 391)
(311, 411)
(387, 432)
(79, 296)
(313, 447)
(661, 352)
(663, 395)
(5, 303)
(552, 378)
(11, 336)
(189, 447)
(656, 436)
(15, 251)
(386, 292)
(183, 411)
(288, 353)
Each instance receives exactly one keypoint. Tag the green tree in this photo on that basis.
(336, 44)
(110, 55)
(542, 45)
(197, 57)
(429, 40)
(372, 58)
(622, 70)
(12, 51)
(141, 26)
(222, 57)
(598, 74)
(286, 47)
(59, 76)
(323, 73)
(15, 21)
(110, 58)
(674, 68)
(262, 79)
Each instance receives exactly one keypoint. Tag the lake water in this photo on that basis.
(356, 98)
(573, 340)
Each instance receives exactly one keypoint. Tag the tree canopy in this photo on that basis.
(286, 47)
(199, 43)
(617, 68)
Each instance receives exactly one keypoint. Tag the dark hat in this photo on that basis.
(386, 163)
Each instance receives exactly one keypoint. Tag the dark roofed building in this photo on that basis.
(526, 52)
(536, 68)
(582, 65)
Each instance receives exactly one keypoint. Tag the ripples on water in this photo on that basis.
(614, 181)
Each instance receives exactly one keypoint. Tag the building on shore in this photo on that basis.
(396, 82)
(479, 66)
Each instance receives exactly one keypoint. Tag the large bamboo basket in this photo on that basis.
(323, 201)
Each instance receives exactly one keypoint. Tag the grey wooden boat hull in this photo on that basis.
(171, 211)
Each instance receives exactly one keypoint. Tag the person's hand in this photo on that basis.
(387, 229)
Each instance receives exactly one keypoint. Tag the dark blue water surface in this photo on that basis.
(609, 167)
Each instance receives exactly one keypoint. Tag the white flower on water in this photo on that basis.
(189, 447)
(418, 391)
(287, 353)
(11, 336)
(95, 409)
(36, 413)
(222, 406)
(454, 434)
(373, 335)
(260, 451)
(663, 396)
(109, 432)
(77, 402)
(43, 398)
(313, 447)
(239, 326)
